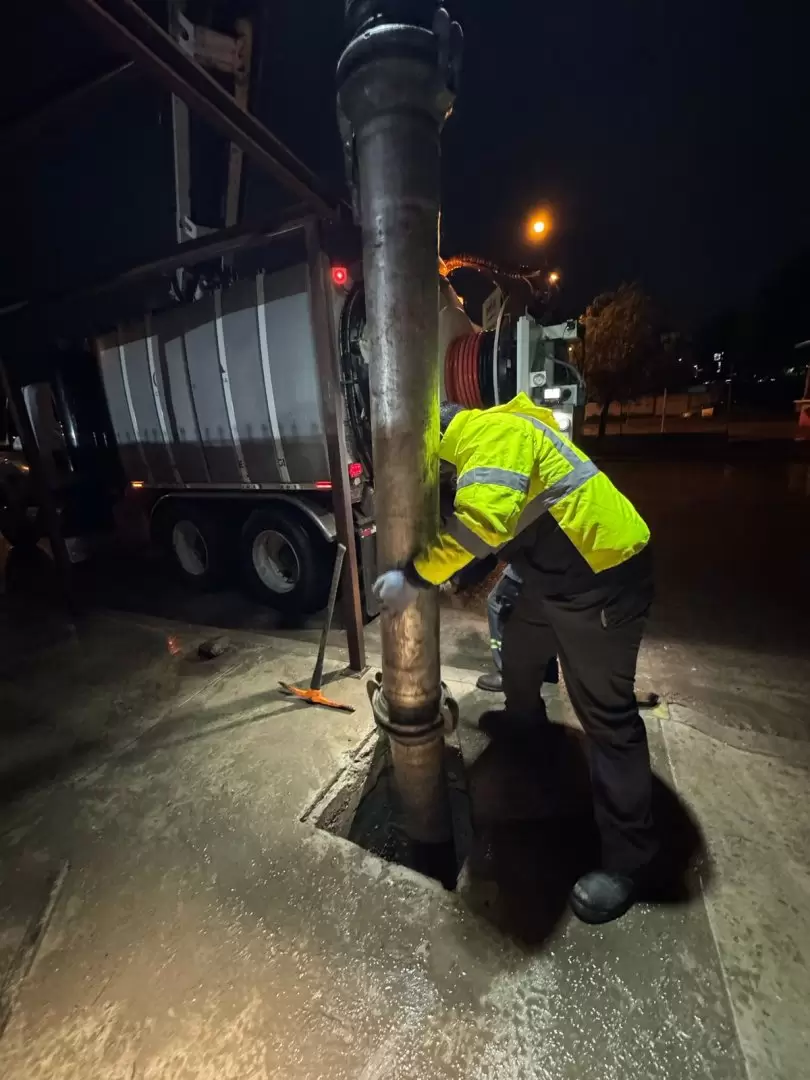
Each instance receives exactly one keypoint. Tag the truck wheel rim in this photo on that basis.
(190, 548)
(276, 561)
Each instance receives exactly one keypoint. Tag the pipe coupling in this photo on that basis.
(444, 722)
(392, 63)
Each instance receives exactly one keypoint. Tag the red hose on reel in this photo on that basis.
(461, 382)
(466, 390)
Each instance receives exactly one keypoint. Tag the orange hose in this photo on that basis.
(461, 382)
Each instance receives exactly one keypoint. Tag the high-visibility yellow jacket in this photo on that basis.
(514, 466)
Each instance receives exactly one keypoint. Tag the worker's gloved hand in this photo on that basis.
(394, 592)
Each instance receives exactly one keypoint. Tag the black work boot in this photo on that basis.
(492, 681)
(602, 895)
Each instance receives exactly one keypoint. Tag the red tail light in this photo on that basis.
(323, 485)
(355, 470)
(340, 276)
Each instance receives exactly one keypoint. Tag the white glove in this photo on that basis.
(394, 592)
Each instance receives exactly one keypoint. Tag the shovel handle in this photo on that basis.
(317, 674)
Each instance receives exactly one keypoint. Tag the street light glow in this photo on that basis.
(539, 224)
(554, 277)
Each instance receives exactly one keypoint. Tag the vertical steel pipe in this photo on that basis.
(395, 91)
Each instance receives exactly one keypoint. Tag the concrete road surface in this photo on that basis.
(201, 930)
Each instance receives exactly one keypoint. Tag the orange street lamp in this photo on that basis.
(539, 225)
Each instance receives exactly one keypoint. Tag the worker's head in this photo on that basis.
(448, 410)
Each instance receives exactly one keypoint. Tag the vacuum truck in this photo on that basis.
(216, 411)
(212, 409)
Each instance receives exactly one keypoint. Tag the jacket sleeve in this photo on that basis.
(490, 497)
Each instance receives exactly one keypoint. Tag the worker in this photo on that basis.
(526, 491)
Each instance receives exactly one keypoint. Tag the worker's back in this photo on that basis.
(576, 525)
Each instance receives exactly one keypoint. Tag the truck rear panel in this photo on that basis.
(221, 393)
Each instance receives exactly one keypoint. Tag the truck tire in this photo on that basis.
(284, 563)
(193, 541)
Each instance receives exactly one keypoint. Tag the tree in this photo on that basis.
(619, 348)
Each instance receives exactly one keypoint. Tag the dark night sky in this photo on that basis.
(671, 137)
(671, 140)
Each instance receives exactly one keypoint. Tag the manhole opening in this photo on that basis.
(362, 805)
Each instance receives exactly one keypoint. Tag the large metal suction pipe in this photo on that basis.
(396, 82)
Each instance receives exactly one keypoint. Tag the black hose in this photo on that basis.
(353, 378)
(485, 380)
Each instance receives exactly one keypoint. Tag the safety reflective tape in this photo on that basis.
(504, 477)
(583, 472)
(556, 440)
(469, 540)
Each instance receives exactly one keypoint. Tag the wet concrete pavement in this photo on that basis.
(730, 630)
(202, 929)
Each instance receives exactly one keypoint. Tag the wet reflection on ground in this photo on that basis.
(732, 553)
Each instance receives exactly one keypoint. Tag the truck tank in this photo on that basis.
(217, 415)
(223, 393)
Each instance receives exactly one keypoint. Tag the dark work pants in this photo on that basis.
(500, 603)
(596, 636)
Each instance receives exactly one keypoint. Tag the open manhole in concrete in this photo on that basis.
(361, 804)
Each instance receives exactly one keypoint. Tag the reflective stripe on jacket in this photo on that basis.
(513, 465)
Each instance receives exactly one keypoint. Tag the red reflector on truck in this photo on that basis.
(340, 276)
(355, 470)
(323, 485)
